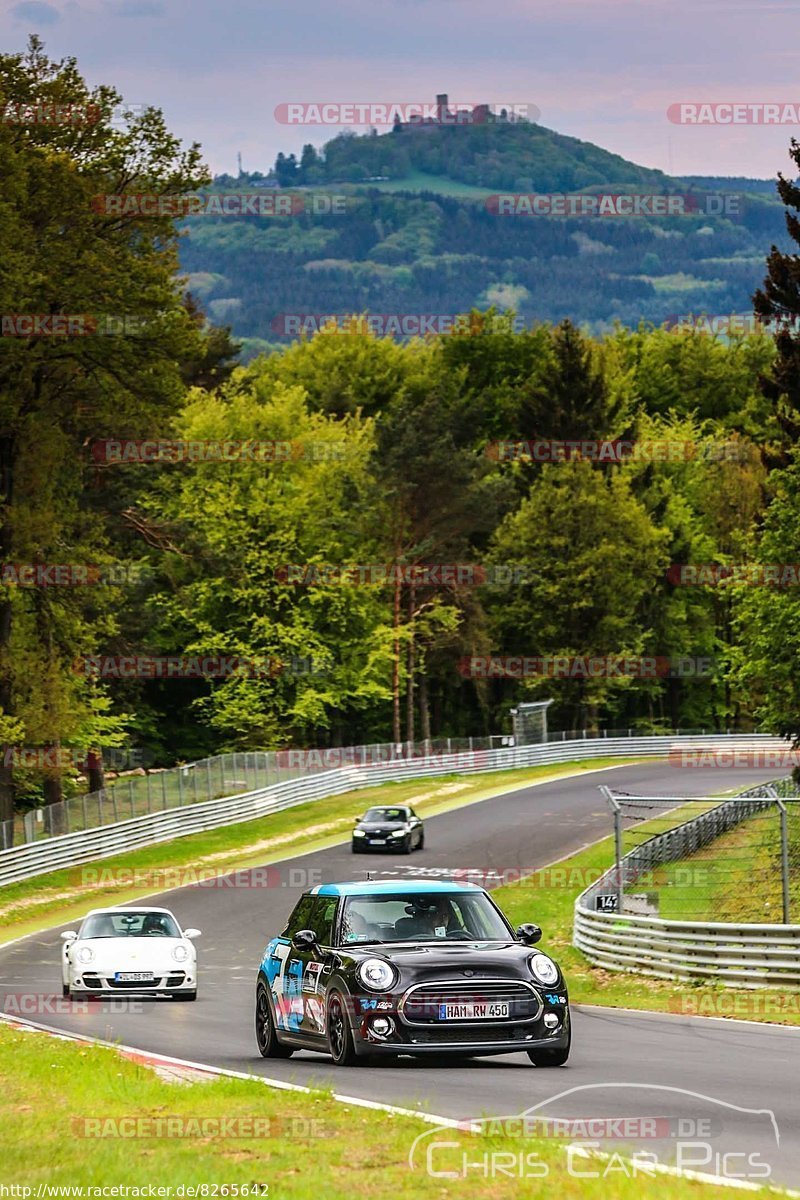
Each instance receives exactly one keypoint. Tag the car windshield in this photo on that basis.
(385, 814)
(118, 925)
(421, 917)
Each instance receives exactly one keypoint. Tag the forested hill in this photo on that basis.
(522, 157)
(408, 223)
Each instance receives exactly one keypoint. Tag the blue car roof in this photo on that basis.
(388, 887)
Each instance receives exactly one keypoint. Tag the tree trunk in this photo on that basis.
(396, 662)
(6, 698)
(411, 667)
(424, 709)
(95, 771)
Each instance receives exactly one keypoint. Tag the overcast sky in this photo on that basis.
(602, 70)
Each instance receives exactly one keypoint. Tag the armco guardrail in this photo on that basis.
(36, 858)
(742, 955)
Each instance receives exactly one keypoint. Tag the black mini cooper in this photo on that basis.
(391, 968)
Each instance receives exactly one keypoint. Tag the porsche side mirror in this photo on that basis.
(190, 934)
(69, 935)
(529, 934)
(304, 939)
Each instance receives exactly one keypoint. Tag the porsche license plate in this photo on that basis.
(134, 977)
(473, 1012)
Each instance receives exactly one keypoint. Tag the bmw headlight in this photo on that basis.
(180, 952)
(399, 832)
(85, 954)
(544, 969)
(376, 974)
(359, 833)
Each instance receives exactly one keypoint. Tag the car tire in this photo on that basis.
(421, 842)
(266, 1036)
(65, 989)
(551, 1058)
(356, 849)
(406, 847)
(340, 1036)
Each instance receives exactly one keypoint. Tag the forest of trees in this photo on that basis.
(347, 461)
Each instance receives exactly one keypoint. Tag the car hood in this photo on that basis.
(380, 826)
(126, 952)
(431, 959)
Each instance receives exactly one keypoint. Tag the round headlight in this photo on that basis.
(376, 974)
(85, 954)
(180, 952)
(544, 969)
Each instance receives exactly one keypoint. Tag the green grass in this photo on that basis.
(310, 1145)
(737, 877)
(547, 897)
(34, 904)
(420, 181)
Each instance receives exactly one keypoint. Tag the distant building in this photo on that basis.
(481, 114)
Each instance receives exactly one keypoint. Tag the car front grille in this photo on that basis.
(421, 1004)
(133, 985)
(484, 1033)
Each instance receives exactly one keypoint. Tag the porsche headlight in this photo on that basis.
(180, 952)
(85, 954)
(376, 974)
(544, 969)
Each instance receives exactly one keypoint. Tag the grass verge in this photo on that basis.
(310, 1145)
(33, 904)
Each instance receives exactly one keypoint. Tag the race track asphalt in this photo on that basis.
(705, 1073)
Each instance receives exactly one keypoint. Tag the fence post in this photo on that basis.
(617, 844)
(784, 857)
(180, 787)
(208, 776)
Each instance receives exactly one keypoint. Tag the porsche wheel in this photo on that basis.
(267, 1038)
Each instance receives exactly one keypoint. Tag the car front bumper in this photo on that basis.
(96, 983)
(473, 1039)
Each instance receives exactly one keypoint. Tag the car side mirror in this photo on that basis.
(357, 819)
(529, 934)
(190, 934)
(304, 939)
(69, 935)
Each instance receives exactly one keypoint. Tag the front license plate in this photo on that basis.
(377, 841)
(134, 977)
(473, 1012)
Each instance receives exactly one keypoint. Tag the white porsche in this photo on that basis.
(129, 950)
